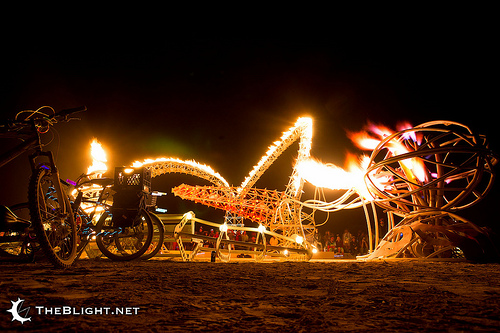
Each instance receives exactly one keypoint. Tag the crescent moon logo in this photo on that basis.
(16, 310)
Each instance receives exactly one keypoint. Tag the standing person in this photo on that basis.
(317, 239)
(338, 240)
(346, 240)
(211, 234)
(338, 243)
(363, 244)
(354, 246)
(326, 237)
(200, 232)
(382, 229)
(330, 245)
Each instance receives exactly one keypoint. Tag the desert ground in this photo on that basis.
(243, 296)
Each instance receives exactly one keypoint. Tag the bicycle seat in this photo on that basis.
(10, 221)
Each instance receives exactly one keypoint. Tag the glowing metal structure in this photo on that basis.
(164, 165)
(288, 221)
(258, 249)
(258, 205)
(457, 172)
(283, 213)
(423, 175)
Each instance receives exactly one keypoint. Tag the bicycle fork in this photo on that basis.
(54, 175)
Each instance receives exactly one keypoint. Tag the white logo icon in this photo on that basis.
(16, 310)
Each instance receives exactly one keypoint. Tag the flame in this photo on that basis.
(352, 177)
(326, 175)
(413, 168)
(408, 135)
(191, 163)
(334, 177)
(99, 160)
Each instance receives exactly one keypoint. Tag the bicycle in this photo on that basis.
(51, 216)
(91, 209)
(17, 238)
(124, 229)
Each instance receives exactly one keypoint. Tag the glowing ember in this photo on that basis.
(99, 160)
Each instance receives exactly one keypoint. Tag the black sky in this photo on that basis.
(222, 100)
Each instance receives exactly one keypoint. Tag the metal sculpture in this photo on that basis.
(258, 205)
(282, 217)
(452, 170)
(422, 175)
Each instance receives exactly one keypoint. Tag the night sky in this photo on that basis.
(223, 100)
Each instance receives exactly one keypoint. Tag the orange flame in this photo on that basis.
(353, 176)
(414, 168)
(336, 178)
(99, 160)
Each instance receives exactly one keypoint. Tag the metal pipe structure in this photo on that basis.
(456, 172)
(422, 174)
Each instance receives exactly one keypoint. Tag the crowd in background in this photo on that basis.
(338, 243)
(346, 242)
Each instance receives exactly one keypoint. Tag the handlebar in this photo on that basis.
(39, 119)
(65, 113)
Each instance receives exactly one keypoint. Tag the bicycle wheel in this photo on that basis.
(130, 242)
(54, 227)
(157, 241)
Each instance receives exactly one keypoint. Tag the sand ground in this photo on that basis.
(173, 296)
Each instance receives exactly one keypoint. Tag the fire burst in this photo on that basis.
(98, 167)
(352, 177)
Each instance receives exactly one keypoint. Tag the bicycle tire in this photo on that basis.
(135, 248)
(54, 229)
(158, 236)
